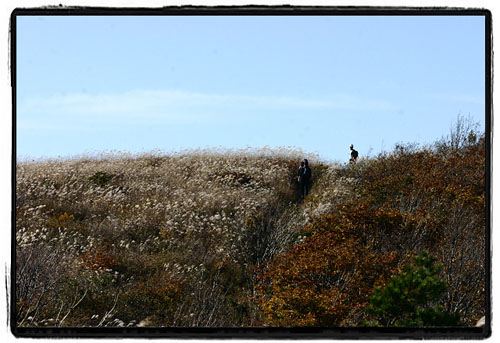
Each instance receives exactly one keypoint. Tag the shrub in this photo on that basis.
(394, 206)
(100, 178)
(410, 298)
(323, 281)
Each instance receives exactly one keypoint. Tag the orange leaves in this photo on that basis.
(427, 173)
(319, 282)
(98, 260)
(404, 202)
(62, 220)
(250, 222)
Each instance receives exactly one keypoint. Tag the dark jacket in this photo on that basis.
(354, 155)
(307, 173)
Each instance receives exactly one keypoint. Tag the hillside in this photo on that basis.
(207, 238)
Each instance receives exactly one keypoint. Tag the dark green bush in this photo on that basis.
(100, 178)
(410, 298)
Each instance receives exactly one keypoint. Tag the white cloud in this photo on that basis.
(171, 106)
(461, 98)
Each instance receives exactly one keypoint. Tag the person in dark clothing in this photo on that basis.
(354, 154)
(304, 177)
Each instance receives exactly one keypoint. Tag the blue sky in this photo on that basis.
(319, 83)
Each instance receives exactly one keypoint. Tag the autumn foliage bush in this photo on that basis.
(325, 279)
(412, 199)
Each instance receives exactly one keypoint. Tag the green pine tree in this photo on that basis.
(410, 299)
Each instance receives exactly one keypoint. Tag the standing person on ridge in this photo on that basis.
(305, 179)
(354, 154)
